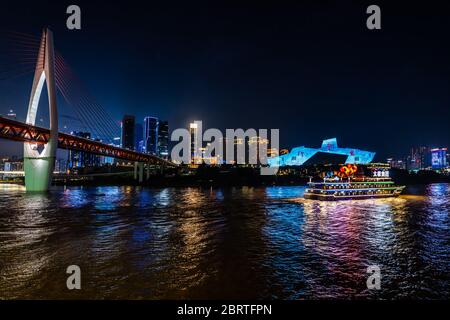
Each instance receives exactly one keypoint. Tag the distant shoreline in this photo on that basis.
(228, 177)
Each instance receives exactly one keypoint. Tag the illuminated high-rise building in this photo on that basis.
(439, 158)
(163, 139)
(151, 135)
(195, 129)
(128, 132)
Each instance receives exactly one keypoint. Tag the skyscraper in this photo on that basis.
(163, 139)
(255, 143)
(195, 149)
(420, 158)
(81, 159)
(439, 158)
(11, 114)
(128, 132)
(151, 135)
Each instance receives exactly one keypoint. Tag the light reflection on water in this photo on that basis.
(140, 243)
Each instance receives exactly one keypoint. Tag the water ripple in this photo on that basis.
(139, 243)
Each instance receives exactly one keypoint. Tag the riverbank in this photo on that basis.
(233, 178)
(229, 176)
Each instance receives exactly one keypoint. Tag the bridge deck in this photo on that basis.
(19, 131)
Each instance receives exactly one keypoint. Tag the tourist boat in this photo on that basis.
(348, 187)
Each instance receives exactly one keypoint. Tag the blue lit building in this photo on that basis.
(301, 155)
(439, 158)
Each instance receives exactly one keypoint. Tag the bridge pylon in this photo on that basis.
(39, 162)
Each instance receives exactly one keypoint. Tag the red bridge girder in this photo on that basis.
(19, 131)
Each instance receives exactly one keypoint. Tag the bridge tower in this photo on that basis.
(39, 161)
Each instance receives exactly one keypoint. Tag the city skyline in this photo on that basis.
(235, 80)
(403, 158)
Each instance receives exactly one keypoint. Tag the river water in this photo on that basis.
(239, 243)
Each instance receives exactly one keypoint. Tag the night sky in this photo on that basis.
(312, 70)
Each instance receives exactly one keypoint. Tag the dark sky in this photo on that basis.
(312, 70)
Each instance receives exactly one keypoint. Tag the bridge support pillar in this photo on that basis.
(139, 171)
(135, 170)
(148, 170)
(39, 161)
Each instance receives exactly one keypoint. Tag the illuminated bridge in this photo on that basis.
(40, 144)
(19, 131)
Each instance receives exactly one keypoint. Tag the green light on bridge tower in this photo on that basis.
(40, 162)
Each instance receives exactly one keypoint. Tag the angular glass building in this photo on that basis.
(304, 155)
